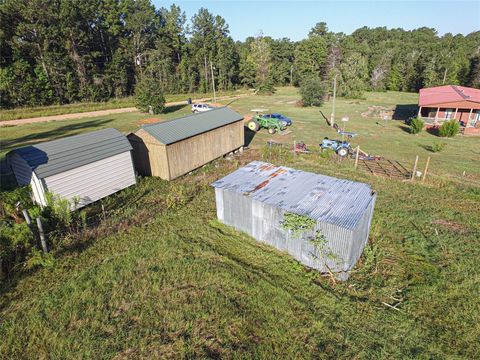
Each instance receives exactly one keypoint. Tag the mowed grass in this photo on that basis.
(161, 278)
(458, 160)
(37, 111)
(166, 280)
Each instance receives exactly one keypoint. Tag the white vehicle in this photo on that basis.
(196, 108)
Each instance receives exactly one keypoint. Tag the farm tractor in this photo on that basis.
(258, 122)
(342, 148)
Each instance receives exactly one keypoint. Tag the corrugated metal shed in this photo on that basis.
(171, 131)
(57, 156)
(322, 198)
(256, 198)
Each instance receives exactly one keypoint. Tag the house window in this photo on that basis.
(448, 113)
(475, 117)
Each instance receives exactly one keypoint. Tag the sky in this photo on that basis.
(294, 18)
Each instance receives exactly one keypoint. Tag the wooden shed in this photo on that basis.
(87, 166)
(175, 147)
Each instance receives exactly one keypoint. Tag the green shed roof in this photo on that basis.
(171, 131)
(54, 157)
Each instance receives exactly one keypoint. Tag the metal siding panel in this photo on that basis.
(94, 181)
(264, 223)
(360, 234)
(237, 212)
(38, 190)
(22, 171)
(219, 203)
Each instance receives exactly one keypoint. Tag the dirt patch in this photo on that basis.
(451, 225)
(378, 112)
(148, 121)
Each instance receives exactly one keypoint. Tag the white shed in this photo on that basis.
(87, 166)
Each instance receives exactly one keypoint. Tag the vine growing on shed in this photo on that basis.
(297, 223)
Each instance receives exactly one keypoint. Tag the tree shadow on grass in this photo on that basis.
(405, 128)
(433, 131)
(53, 134)
(404, 111)
(173, 108)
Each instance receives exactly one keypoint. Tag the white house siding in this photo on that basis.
(94, 181)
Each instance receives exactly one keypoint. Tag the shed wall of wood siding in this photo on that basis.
(189, 154)
(171, 161)
(94, 181)
(149, 155)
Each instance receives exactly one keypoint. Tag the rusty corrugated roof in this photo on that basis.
(320, 197)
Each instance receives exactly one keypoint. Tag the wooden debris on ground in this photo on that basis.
(385, 167)
(380, 112)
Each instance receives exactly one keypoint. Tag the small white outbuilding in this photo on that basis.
(86, 167)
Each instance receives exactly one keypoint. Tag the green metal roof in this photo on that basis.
(171, 131)
(54, 157)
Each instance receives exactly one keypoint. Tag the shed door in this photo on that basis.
(94, 181)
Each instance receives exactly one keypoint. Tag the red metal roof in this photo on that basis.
(447, 94)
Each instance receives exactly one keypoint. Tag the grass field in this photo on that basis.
(161, 278)
(392, 141)
(29, 112)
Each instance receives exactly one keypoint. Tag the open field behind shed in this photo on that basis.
(160, 277)
(392, 141)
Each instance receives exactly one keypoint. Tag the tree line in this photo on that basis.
(65, 51)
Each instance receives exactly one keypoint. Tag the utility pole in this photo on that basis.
(213, 84)
(334, 99)
(291, 75)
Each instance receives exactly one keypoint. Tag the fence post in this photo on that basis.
(414, 168)
(103, 211)
(27, 217)
(426, 169)
(43, 240)
(356, 157)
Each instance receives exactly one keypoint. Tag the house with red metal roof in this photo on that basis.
(441, 103)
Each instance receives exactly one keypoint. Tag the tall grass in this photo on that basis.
(177, 283)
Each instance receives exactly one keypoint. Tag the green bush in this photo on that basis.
(449, 128)
(19, 242)
(437, 146)
(416, 125)
(266, 88)
(312, 91)
(149, 96)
